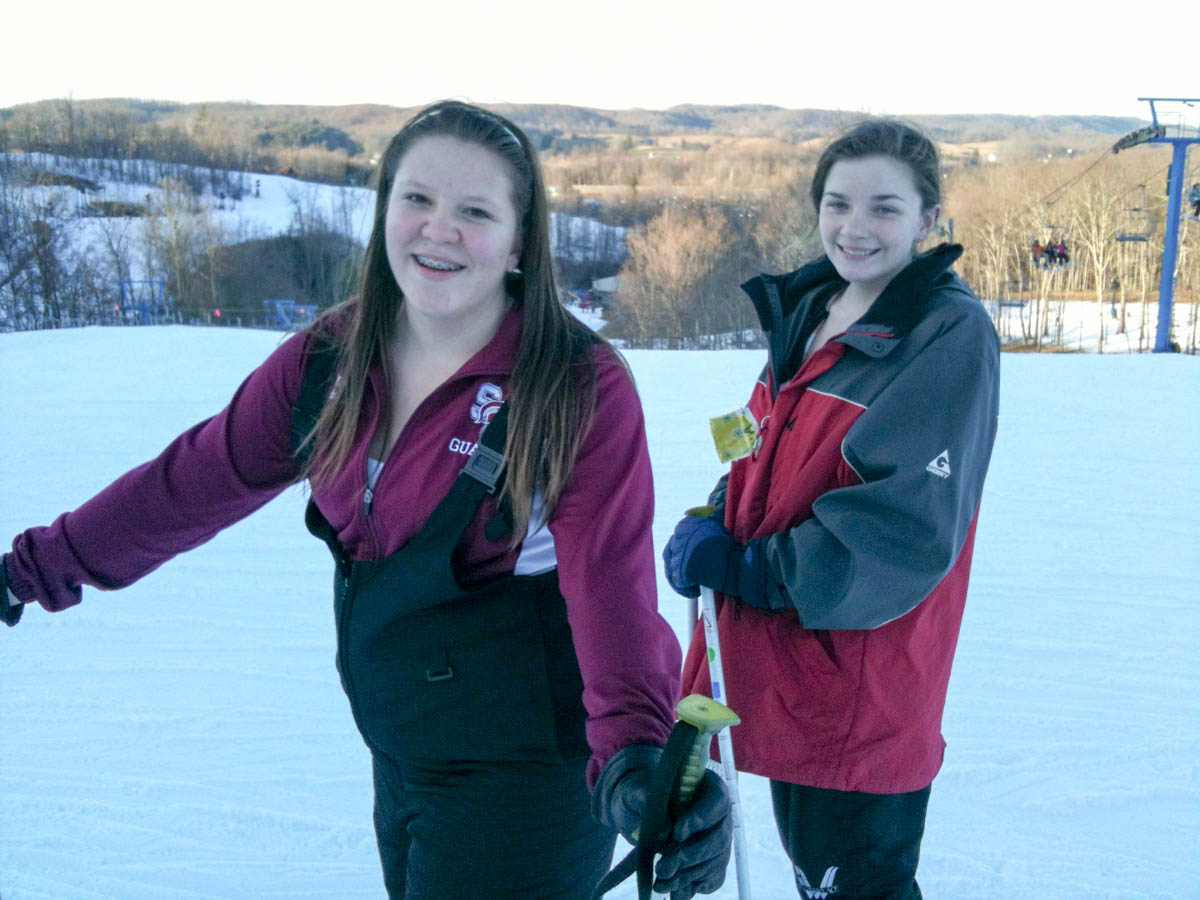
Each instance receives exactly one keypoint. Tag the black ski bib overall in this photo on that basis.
(470, 700)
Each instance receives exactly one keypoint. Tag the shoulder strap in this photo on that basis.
(320, 368)
(475, 480)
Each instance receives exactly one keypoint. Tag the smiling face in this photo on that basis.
(451, 230)
(870, 218)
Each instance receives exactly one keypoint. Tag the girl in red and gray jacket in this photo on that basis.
(498, 633)
(840, 548)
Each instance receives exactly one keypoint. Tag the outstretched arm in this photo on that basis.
(209, 477)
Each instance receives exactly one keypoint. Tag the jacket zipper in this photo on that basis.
(369, 522)
(369, 493)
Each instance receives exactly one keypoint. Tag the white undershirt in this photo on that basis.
(537, 550)
(374, 467)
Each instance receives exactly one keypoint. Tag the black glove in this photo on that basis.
(698, 850)
(11, 613)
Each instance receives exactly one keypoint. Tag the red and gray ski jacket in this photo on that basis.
(861, 501)
(224, 468)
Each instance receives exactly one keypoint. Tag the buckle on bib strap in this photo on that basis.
(484, 466)
(487, 459)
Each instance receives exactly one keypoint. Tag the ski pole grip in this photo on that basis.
(708, 717)
(682, 765)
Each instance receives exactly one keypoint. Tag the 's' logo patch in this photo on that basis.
(487, 401)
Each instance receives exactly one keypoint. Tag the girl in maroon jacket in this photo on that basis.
(840, 548)
(498, 634)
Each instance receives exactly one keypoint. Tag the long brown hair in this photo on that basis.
(551, 395)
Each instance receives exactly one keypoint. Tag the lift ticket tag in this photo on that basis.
(734, 434)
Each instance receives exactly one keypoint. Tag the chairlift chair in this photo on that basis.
(1050, 230)
(1138, 235)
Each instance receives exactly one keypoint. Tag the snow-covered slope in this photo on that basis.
(187, 738)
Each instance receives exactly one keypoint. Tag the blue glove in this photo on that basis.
(700, 552)
(701, 837)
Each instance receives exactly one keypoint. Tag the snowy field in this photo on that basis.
(187, 738)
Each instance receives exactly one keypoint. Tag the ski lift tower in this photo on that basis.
(1179, 137)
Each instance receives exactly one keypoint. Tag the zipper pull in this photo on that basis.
(368, 496)
(758, 437)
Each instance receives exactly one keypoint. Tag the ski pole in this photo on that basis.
(735, 436)
(716, 675)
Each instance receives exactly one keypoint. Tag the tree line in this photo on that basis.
(679, 284)
(126, 132)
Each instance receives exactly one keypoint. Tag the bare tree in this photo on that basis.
(786, 230)
(179, 237)
(1094, 219)
(679, 284)
(669, 259)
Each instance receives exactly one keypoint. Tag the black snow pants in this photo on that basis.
(846, 845)
(511, 830)
(470, 700)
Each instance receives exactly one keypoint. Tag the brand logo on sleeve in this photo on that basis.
(940, 465)
(487, 401)
(825, 889)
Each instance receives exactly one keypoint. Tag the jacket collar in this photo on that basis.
(788, 307)
(902, 304)
(494, 360)
(499, 354)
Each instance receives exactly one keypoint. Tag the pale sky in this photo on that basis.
(881, 56)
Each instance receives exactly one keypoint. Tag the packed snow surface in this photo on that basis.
(187, 737)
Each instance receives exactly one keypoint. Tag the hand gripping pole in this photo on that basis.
(672, 787)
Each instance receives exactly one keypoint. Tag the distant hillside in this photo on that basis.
(689, 150)
(797, 125)
(370, 125)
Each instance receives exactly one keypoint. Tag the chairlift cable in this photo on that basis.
(1059, 191)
